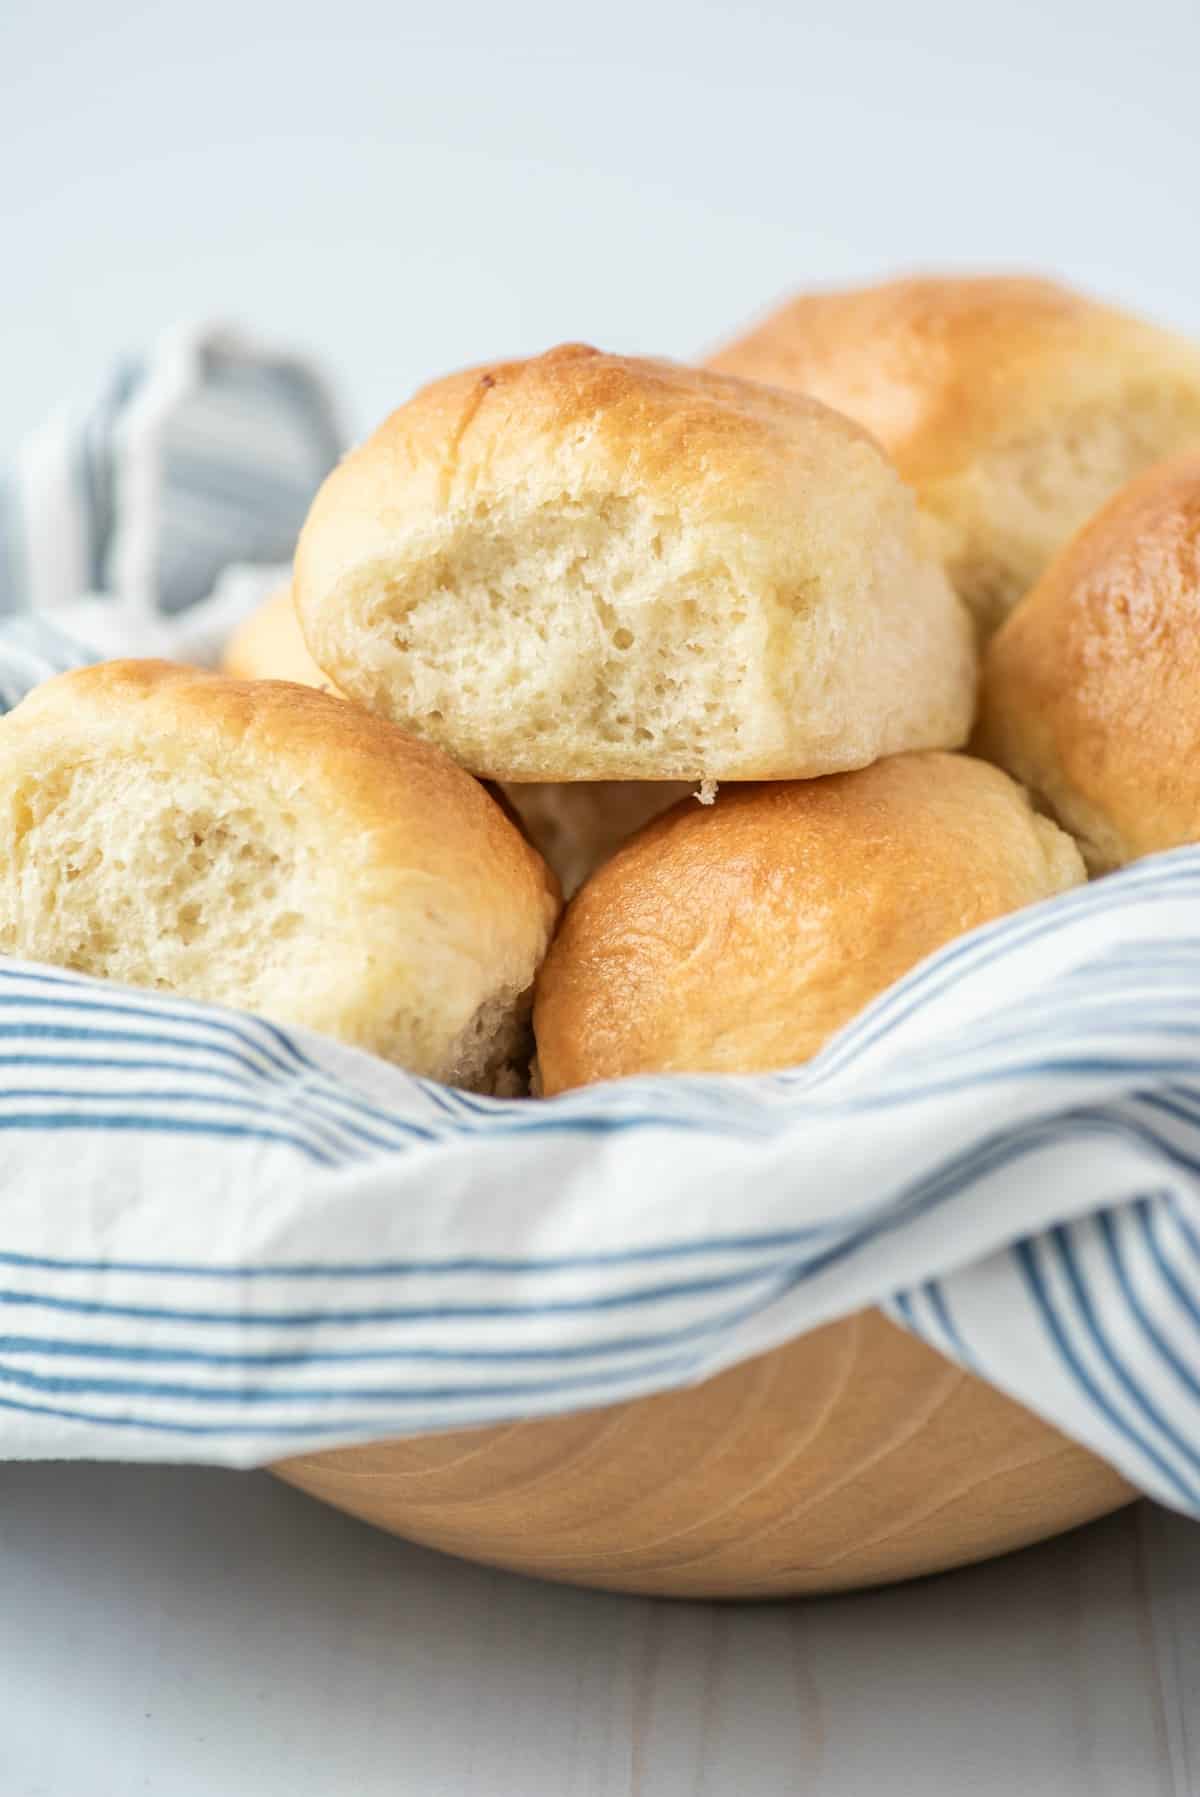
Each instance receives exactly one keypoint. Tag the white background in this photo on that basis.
(405, 189)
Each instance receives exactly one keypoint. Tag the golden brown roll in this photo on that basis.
(738, 938)
(587, 567)
(575, 826)
(1014, 406)
(1091, 692)
(269, 847)
(269, 645)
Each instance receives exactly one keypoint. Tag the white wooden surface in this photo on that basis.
(190, 1633)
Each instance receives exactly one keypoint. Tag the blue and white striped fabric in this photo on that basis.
(120, 516)
(223, 1241)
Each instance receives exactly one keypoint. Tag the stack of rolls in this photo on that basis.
(699, 646)
(714, 635)
(786, 670)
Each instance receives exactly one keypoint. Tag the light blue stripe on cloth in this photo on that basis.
(96, 466)
(33, 649)
(220, 1238)
(555, 1255)
(13, 579)
(202, 455)
(240, 459)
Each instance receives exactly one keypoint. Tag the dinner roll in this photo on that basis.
(739, 938)
(587, 567)
(1091, 691)
(575, 825)
(270, 847)
(1014, 406)
(269, 645)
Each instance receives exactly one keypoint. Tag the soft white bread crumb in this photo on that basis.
(575, 824)
(590, 567)
(270, 847)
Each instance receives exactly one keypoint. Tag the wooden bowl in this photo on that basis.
(853, 1456)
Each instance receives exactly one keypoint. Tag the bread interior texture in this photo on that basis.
(607, 640)
(656, 644)
(225, 890)
(1002, 519)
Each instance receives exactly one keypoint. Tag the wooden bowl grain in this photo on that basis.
(854, 1456)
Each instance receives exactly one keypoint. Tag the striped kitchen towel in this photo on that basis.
(121, 516)
(221, 1240)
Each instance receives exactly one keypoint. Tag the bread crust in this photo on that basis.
(1090, 690)
(586, 567)
(738, 938)
(269, 645)
(374, 891)
(1012, 404)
